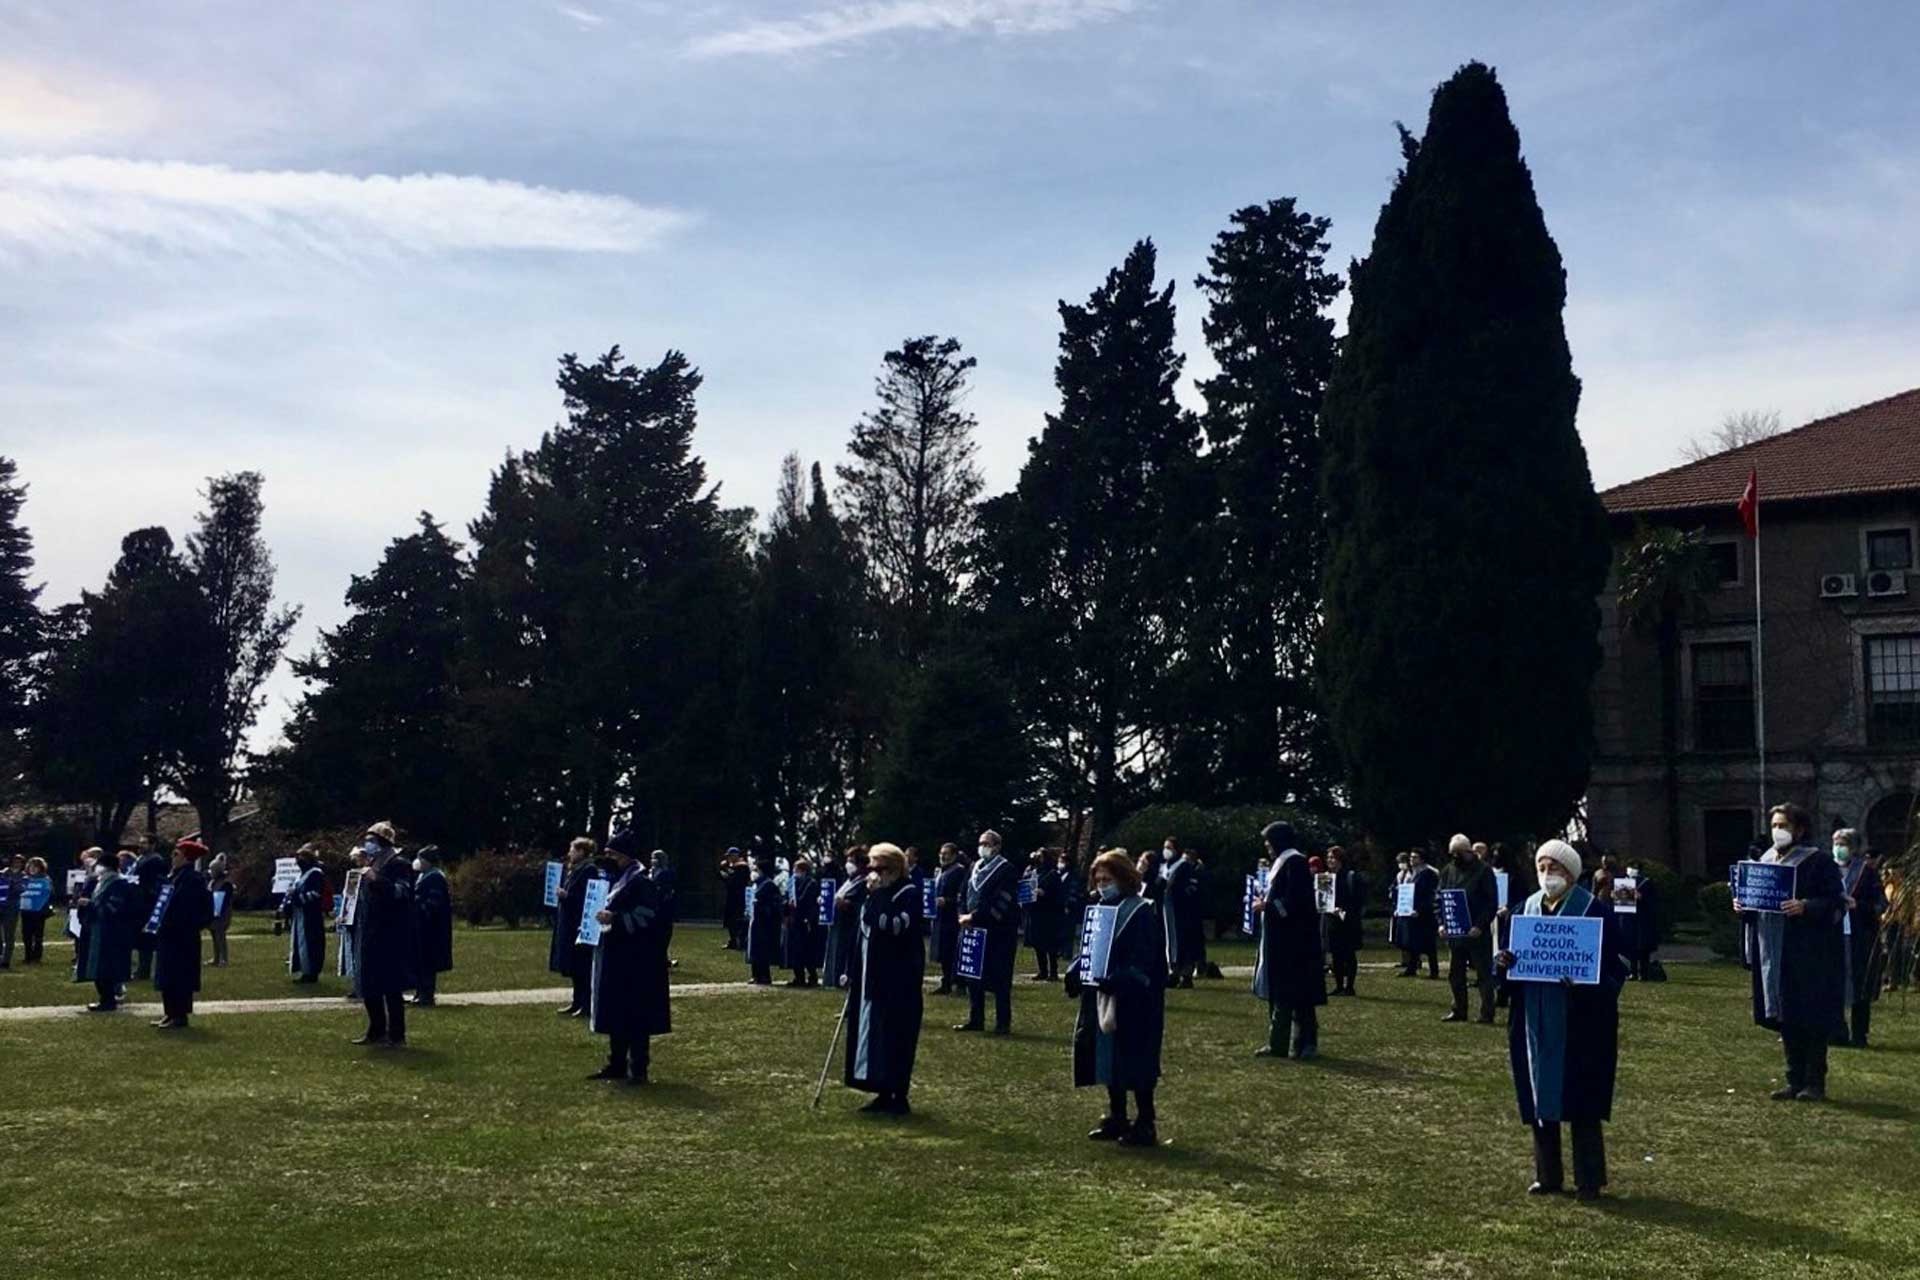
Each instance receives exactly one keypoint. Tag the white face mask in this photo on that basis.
(418, 866)
(853, 868)
(986, 851)
(1782, 838)
(1555, 886)
(1841, 853)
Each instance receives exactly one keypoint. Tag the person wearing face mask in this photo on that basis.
(734, 879)
(1474, 950)
(149, 871)
(565, 955)
(765, 907)
(803, 941)
(993, 905)
(305, 909)
(109, 909)
(386, 944)
(176, 949)
(1799, 956)
(843, 935)
(630, 1002)
(1044, 923)
(886, 985)
(1290, 973)
(1181, 913)
(949, 892)
(1563, 1041)
(433, 923)
(1346, 926)
(1122, 1019)
(1864, 899)
(1399, 927)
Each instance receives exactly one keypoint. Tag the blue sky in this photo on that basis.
(344, 243)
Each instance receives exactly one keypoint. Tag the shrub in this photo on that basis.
(1228, 840)
(1723, 927)
(1673, 901)
(504, 886)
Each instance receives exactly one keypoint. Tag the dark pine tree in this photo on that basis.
(1466, 546)
(20, 630)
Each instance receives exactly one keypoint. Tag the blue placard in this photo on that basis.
(827, 889)
(972, 961)
(160, 908)
(550, 894)
(1403, 900)
(219, 903)
(1247, 900)
(38, 893)
(1501, 881)
(1549, 948)
(589, 935)
(1456, 918)
(1096, 941)
(6, 890)
(1763, 886)
(929, 898)
(1024, 894)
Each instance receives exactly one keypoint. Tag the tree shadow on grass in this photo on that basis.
(1363, 1068)
(1745, 1230)
(1875, 1110)
(672, 1093)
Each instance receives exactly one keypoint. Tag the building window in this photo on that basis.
(1723, 561)
(1723, 696)
(1888, 830)
(1893, 690)
(1728, 837)
(1890, 549)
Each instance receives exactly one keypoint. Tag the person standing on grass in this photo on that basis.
(346, 941)
(386, 945)
(565, 955)
(109, 908)
(735, 879)
(13, 883)
(433, 923)
(843, 935)
(1424, 926)
(1800, 962)
(1563, 1041)
(1073, 906)
(1122, 1020)
(949, 894)
(1044, 923)
(765, 905)
(150, 872)
(1182, 913)
(1345, 936)
(1466, 873)
(660, 871)
(803, 940)
(1865, 901)
(630, 1002)
(220, 896)
(305, 908)
(176, 951)
(993, 904)
(1291, 971)
(1399, 927)
(886, 985)
(36, 904)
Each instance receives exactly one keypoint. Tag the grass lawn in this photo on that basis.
(263, 1145)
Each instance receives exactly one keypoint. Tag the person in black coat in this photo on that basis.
(1799, 957)
(1563, 1040)
(1044, 923)
(1182, 914)
(804, 943)
(1865, 902)
(766, 906)
(1291, 971)
(187, 909)
(843, 935)
(1122, 1019)
(150, 871)
(433, 923)
(949, 894)
(886, 984)
(660, 871)
(1345, 926)
(630, 1000)
(1422, 929)
(993, 904)
(1473, 949)
(109, 910)
(386, 948)
(565, 955)
(735, 878)
(1073, 905)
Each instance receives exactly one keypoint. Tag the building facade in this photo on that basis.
(1677, 771)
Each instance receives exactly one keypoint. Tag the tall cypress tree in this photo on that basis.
(1466, 546)
(20, 627)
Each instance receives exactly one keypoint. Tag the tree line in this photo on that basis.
(1359, 581)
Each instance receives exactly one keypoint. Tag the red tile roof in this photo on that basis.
(1872, 449)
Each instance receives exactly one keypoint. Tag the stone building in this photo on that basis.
(1839, 523)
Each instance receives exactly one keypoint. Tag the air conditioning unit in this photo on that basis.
(1839, 586)
(1887, 582)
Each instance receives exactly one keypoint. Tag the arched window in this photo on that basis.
(1887, 824)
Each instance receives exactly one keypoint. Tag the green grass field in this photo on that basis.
(263, 1145)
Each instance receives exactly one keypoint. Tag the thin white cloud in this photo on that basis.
(41, 110)
(585, 17)
(846, 24)
(98, 205)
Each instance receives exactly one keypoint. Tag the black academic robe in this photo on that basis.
(385, 949)
(950, 892)
(176, 951)
(843, 936)
(1291, 970)
(1399, 927)
(1866, 961)
(433, 923)
(764, 919)
(804, 943)
(306, 912)
(1073, 906)
(1181, 914)
(109, 919)
(886, 992)
(1044, 931)
(993, 901)
(1423, 930)
(1128, 1057)
(1475, 878)
(1346, 933)
(733, 894)
(150, 870)
(1563, 1042)
(1811, 957)
(630, 998)
(561, 948)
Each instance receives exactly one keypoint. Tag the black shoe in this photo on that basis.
(1485, 1019)
(579, 1013)
(178, 1024)
(1003, 1031)
(1406, 973)
(1542, 1189)
(1141, 1135)
(1186, 984)
(1109, 1129)
(103, 1007)
(876, 1105)
(1307, 1053)
(638, 1080)
(1266, 1051)
(1588, 1194)
(421, 1002)
(1455, 1016)
(1036, 977)
(397, 1042)
(944, 989)
(160, 1023)
(1813, 1093)
(899, 1107)
(968, 1026)
(1786, 1093)
(571, 1011)
(368, 1038)
(609, 1073)
(1861, 1043)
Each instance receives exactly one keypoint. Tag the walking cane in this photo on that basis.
(832, 1045)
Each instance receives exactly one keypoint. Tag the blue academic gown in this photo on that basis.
(804, 941)
(306, 918)
(1801, 961)
(993, 902)
(433, 923)
(386, 945)
(766, 906)
(1290, 970)
(109, 919)
(949, 886)
(843, 935)
(1181, 914)
(176, 951)
(630, 996)
(1045, 924)
(1128, 1057)
(886, 992)
(1563, 1043)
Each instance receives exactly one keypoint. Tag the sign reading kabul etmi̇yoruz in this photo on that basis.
(596, 902)
(929, 897)
(550, 892)
(1456, 917)
(828, 888)
(971, 963)
(1549, 948)
(1096, 942)
(1763, 886)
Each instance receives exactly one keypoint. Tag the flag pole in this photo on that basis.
(1759, 658)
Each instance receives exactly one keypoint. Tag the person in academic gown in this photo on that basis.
(220, 891)
(1203, 967)
(1345, 926)
(734, 881)
(1865, 902)
(1044, 923)
(1290, 972)
(886, 985)
(1399, 927)
(1563, 1040)
(176, 950)
(13, 883)
(387, 950)
(1474, 950)
(1800, 960)
(433, 923)
(565, 955)
(630, 1002)
(347, 933)
(660, 871)
(804, 943)
(109, 918)
(1122, 1019)
(1182, 914)
(1423, 929)
(766, 906)
(843, 935)
(993, 904)
(1073, 904)
(305, 910)
(950, 892)
(150, 872)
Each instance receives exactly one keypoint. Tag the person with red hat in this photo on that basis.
(183, 908)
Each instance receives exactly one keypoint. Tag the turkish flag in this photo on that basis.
(1750, 504)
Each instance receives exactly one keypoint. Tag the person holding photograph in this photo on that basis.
(1118, 1032)
(1799, 967)
(1865, 902)
(1183, 913)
